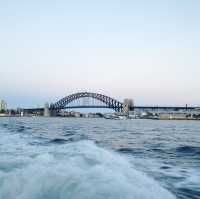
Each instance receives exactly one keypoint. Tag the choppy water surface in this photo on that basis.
(61, 158)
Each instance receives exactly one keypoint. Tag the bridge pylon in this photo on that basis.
(47, 112)
(127, 105)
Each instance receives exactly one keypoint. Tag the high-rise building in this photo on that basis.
(3, 105)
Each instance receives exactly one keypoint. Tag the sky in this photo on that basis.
(144, 50)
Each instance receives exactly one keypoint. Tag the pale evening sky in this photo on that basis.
(145, 50)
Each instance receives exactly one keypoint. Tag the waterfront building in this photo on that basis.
(173, 116)
(77, 114)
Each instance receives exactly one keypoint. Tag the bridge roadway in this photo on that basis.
(153, 108)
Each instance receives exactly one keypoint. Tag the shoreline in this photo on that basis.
(174, 119)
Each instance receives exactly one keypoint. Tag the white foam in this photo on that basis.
(79, 171)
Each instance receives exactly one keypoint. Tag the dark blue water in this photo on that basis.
(61, 158)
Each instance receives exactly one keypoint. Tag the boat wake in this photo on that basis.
(79, 170)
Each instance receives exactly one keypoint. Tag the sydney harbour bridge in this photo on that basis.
(96, 100)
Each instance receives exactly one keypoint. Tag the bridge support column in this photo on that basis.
(47, 112)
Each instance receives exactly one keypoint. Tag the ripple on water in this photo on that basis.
(188, 150)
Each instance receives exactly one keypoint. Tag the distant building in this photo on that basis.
(173, 116)
(77, 114)
(3, 105)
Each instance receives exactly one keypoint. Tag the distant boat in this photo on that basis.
(122, 117)
(111, 117)
(115, 117)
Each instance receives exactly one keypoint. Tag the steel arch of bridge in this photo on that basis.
(108, 101)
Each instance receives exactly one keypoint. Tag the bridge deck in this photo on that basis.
(132, 108)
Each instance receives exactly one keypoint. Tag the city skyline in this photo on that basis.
(147, 51)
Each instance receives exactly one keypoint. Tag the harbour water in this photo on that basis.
(80, 158)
